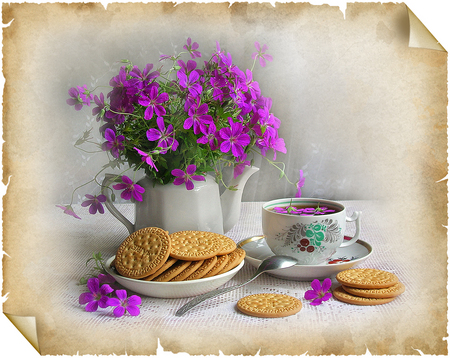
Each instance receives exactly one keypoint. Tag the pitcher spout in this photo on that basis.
(231, 199)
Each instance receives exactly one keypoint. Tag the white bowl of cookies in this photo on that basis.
(153, 263)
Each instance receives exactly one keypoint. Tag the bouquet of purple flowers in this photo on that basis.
(183, 122)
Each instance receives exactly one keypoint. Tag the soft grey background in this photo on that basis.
(354, 100)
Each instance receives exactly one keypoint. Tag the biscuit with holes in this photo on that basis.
(206, 266)
(143, 252)
(340, 294)
(269, 305)
(221, 262)
(173, 271)
(393, 291)
(194, 245)
(169, 263)
(366, 278)
(194, 265)
(234, 259)
(228, 245)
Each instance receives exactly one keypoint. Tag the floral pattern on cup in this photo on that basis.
(339, 260)
(309, 238)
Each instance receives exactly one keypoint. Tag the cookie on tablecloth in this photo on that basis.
(393, 291)
(143, 252)
(366, 278)
(270, 305)
(340, 294)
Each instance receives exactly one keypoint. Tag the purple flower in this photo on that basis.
(124, 304)
(116, 114)
(129, 189)
(153, 102)
(119, 84)
(189, 82)
(253, 86)
(319, 292)
(216, 55)
(281, 210)
(239, 168)
(263, 57)
(69, 211)
(97, 297)
(113, 143)
(188, 67)
(226, 63)
(270, 140)
(147, 158)
(165, 136)
(234, 139)
(300, 184)
(192, 49)
(79, 96)
(237, 93)
(144, 76)
(218, 83)
(210, 136)
(165, 57)
(323, 210)
(100, 110)
(198, 118)
(187, 177)
(95, 203)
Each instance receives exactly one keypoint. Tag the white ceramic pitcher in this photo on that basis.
(174, 208)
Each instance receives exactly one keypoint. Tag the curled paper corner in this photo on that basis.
(27, 326)
(419, 36)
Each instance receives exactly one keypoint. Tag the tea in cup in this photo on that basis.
(307, 229)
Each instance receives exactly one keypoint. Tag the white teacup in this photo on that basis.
(310, 239)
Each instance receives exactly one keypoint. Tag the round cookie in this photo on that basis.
(194, 245)
(269, 305)
(228, 245)
(143, 252)
(366, 278)
(340, 294)
(207, 265)
(169, 263)
(173, 271)
(193, 266)
(234, 259)
(387, 292)
(221, 262)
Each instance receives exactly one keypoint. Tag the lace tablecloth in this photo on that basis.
(400, 327)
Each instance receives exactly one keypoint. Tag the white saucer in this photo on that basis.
(257, 250)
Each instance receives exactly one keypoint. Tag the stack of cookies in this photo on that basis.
(152, 254)
(366, 286)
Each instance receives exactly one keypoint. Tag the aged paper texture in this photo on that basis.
(362, 113)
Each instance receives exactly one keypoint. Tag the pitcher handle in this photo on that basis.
(109, 178)
(357, 218)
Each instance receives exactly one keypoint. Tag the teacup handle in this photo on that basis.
(357, 218)
(110, 178)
